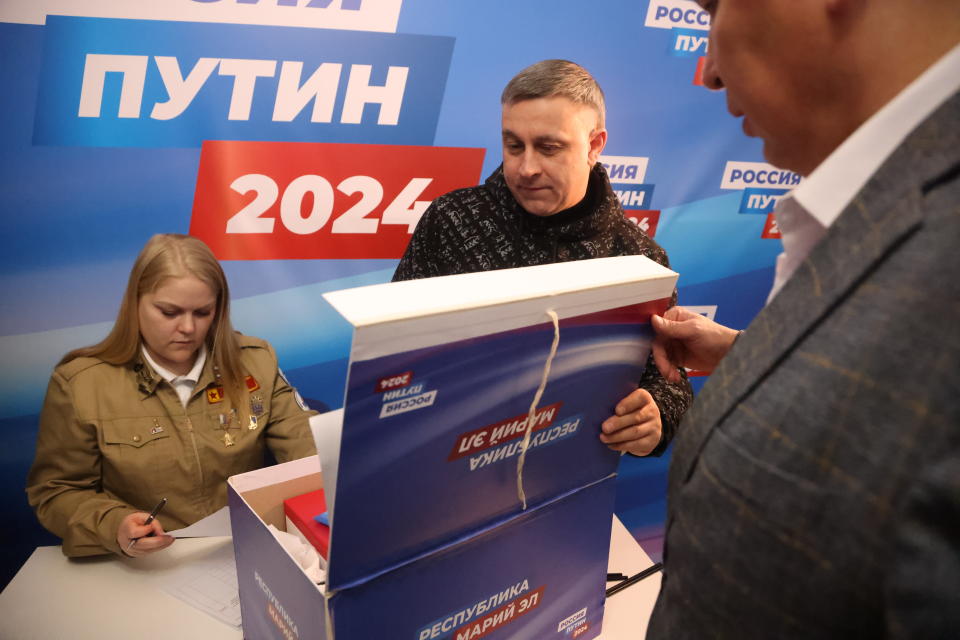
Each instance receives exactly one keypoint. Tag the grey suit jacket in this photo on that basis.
(814, 490)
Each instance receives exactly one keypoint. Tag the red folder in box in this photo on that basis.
(301, 511)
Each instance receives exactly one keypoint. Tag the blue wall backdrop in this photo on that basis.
(106, 105)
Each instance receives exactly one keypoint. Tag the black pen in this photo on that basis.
(637, 577)
(150, 518)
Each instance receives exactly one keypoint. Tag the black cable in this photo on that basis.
(649, 571)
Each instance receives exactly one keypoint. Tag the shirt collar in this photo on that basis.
(192, 376)
(833, 184)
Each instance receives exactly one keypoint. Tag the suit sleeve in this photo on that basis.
(63, 485)
(923, 587)
(288, 433)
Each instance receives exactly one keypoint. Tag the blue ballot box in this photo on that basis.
(539, 574)
(439, 527)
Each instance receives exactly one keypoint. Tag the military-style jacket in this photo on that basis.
(116, 439)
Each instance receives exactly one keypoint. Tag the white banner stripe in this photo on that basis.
(370, 15)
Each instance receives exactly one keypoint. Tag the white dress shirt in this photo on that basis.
(805, 214)
(185, 384)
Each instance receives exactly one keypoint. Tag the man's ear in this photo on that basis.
(598, 140)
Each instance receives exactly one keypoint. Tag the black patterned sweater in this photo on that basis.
(484, 228)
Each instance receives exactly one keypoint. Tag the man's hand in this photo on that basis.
(635, 427)
(687, 339)
(148, 538)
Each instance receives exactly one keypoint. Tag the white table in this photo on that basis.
(105, 598)
(627, 612)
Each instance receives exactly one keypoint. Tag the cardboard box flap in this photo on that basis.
(402, 316)
(466, 536)
(436, 404)
(276, 596)
(541, 576)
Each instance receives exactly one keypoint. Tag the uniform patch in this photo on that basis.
(300, 402)
(214, 395)
(256, 405)
(252, 384)
(296, 394)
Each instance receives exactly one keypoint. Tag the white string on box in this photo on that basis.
(528, 426)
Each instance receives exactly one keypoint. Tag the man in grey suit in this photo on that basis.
(814, 489)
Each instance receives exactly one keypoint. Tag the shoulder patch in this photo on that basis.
(296, 394)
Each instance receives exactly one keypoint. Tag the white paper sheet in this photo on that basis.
(209, 584)
(327, 429)
(215, 524)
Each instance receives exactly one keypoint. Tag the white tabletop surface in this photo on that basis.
(627, 612)
(105, 598)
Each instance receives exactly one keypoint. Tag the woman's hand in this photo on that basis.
(137, 539)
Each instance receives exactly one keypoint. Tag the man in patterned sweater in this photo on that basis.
(550, 201)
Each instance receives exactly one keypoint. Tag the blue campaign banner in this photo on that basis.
(145, 83)
(634, 197)
(83, 193)
(756, 200)
(688, 43)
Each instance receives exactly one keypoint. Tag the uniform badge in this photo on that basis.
(226, 420)
(253, 423)
(300, 403)
(252, 384)
(296, 394)
(256, 404)
(215, 395)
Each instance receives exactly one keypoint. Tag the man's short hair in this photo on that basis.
(553, 78)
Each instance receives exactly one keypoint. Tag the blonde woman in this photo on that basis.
(169, 405)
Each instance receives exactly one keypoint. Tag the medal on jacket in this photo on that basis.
(256, 410)
(226, 421)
